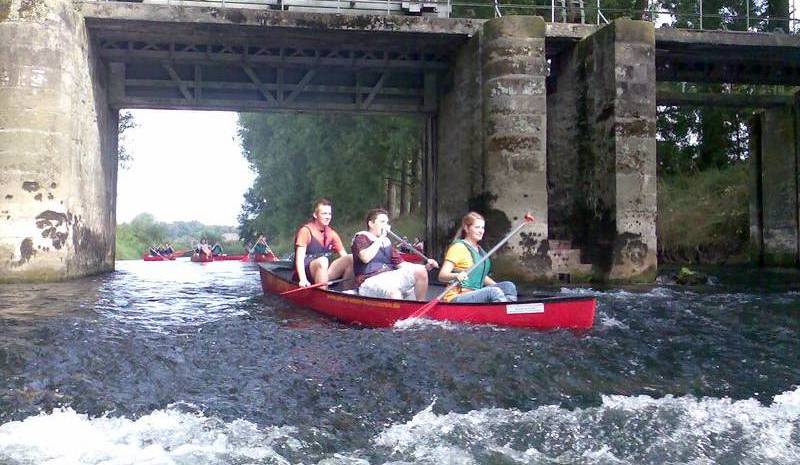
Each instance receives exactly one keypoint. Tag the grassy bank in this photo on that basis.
(704, 218)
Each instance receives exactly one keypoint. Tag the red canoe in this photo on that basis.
(541, 312)
(223, 258)
(158, 258)
(202, 258)
(263, 257)
(410, 257)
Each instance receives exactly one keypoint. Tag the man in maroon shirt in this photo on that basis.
(378, 268)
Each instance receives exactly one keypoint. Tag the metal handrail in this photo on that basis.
(695, 20)
(497, 8)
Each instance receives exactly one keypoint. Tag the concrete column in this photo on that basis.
(514, 107)
(776, 202)
(610, 186)
(58, 138)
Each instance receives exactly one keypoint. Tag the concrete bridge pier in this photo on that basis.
(58, 146)
(491, 147)
(775, 186)
(602, 150)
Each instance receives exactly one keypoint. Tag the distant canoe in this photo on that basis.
(158, 258)
(410, 257)
(201, 258)
(223, 258)
(539, 312)
(263, 257)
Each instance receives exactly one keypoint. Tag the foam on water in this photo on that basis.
(623, 430)
(167, 436)
(423, 324)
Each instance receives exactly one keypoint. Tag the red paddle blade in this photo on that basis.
(528, 217)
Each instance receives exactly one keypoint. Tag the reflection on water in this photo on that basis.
(180, 362)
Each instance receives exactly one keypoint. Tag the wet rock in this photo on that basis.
(688, 277)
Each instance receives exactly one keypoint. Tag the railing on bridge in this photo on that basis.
(563, 11)
(594, 12)
(440, 8)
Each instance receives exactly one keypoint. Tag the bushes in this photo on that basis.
(703, 217)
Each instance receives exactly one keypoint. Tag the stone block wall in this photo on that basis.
(460, 157)
(57, 147)
(602, 150)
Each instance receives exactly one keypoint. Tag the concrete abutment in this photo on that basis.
(775, 186)
(602, 150)
(577, 149)
(58, 163)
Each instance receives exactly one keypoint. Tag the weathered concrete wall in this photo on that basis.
(514, 68)
(567, 141)
(602, 150)
(460, 145)
(57, 147)
(779, 209)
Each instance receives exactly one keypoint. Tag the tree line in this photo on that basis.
(134, 238)
(358, 162)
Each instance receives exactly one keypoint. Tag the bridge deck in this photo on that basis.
(245, 59)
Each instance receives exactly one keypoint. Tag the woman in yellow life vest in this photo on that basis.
(460, 256)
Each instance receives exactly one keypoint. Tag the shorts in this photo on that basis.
(382, 284)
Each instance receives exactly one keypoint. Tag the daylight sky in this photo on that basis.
(187, 165)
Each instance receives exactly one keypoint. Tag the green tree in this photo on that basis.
(298, 158)
(126, 122)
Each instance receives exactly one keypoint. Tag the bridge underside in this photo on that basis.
(244, 67)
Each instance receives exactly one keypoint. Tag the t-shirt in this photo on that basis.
(458, 254)
(326, 236)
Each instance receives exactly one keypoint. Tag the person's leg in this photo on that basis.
(509, 290)
(381, 285)
(485, 294)
(420, 277)
(342, 267)
(319, 270)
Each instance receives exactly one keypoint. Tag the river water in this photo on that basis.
(186, 363)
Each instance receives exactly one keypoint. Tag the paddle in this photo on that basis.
(427, 307)
(411, 247)
(312, 286)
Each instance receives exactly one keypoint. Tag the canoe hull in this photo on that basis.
(163, 258)
(547, 313)
(200, 258)
(224, 258)
(263, 257)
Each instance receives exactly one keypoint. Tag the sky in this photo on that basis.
(187, 165)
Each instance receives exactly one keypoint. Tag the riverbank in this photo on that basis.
(703, 218)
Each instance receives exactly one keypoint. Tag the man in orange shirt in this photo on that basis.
(314, 243)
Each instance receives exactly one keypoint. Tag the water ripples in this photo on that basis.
(178, 362)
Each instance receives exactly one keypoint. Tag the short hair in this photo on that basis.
(321, 202)
(372, 214)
